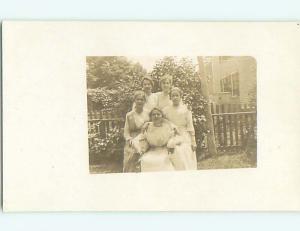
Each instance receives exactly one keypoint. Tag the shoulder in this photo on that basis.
(154, 95)
(129, 114)
(171, 126)
(168, 123)
(185, 109)
(146, 126)
(157, 94)
(167, 109)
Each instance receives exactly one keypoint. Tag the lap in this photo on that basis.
(156, 159)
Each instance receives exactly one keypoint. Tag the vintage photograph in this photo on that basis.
(171, 113)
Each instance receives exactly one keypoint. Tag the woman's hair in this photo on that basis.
(139, 93)
(157, 109)
(148, 77)
(165, 78)
(176, 89)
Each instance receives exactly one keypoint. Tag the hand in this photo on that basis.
(194, 147)
(129, 140)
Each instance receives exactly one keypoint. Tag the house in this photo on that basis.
(231, 79)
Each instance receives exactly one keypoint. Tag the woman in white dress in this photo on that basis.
(135, 120)
(157, 135)
(184, 156)
(163, 97)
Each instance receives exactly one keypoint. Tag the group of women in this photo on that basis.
(159, 130)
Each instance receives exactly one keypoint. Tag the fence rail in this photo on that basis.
(233, 129)
(233, 124)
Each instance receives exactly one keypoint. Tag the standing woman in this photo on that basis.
(184, 156)
(151, 98)
(135, 120)
(163, 97)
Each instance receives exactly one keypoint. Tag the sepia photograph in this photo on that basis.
(158, 116)
(171, 113)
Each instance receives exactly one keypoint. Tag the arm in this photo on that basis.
(175, 139)
(127, 130)
(191, 130)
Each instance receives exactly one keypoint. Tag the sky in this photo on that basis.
(148, 61)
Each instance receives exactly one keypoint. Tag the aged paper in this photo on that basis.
(45, 117)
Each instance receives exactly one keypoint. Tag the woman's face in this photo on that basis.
(156, 116)
(139, 101)
(166, 86)
(175, 97)
(147, 86)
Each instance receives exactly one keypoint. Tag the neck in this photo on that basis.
(166, 93)
(138, 109)
(148, 93)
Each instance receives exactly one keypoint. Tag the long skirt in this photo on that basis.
(156, 159)
(183, 157)
(131, 162)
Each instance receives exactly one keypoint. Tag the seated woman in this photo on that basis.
(135, 119)
(158, 135)
(184, 157)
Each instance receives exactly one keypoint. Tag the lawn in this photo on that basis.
(225, 161)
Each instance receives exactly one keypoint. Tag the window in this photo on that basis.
(235, 84)
(231, 84)
(226, 84)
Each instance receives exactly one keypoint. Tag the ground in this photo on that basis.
(225, 160)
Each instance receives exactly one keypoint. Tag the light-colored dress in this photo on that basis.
(162, 100)
(156, 158)
(133, 124)
(184, 158)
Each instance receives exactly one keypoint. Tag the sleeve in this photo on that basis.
(145, 127)
(175, 139)
(190, 127)
(140, 143)
(126, 129)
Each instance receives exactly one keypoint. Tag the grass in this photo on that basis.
(228, 160)
(225, 159)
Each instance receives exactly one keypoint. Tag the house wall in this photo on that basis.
(245, 66)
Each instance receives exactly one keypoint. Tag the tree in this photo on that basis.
(111, 81)
(211, 144)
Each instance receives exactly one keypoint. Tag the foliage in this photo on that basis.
(109, 146)
(186, 78)
(111, 82)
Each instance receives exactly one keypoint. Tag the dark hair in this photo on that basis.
(176, 89)
(147, 77)
(157, 109)
(139, 93)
